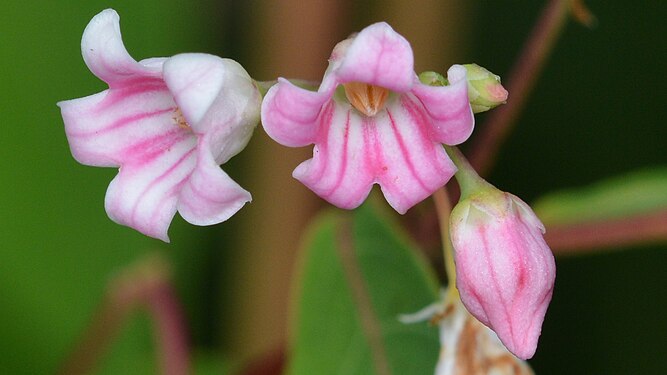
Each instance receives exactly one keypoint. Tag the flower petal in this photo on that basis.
(378, 56)
(289, 113)
(145, 192)
(104, 53)
(341, 170)
(216, 97)
(115, 125)
(449, 107)
(413, 166)
(210, 196)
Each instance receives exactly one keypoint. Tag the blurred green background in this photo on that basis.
(596, 112)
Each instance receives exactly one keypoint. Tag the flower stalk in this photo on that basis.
(443, 209)
(145, 284)
(466, 176)
(522, 79)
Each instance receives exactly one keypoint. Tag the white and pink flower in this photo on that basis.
(372, 121)
(168, 123)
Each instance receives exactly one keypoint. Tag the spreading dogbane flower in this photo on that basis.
(372, 121)
(168, 123)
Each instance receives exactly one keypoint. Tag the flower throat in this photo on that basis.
(367, 99)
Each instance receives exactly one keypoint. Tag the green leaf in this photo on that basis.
(358, 273)
(631, 194)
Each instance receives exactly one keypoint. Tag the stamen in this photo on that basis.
(367, 99)
(180, 120)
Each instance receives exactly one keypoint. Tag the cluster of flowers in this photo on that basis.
(169, 123)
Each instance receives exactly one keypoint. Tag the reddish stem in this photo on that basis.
(579, 238)
(170, 330)
(104, 326)
(145, 284)
(271, 363)
(521, 81)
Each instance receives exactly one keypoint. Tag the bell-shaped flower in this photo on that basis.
(372, 121)
(168, 123)
(505, 271)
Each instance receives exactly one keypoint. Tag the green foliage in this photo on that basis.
(634, 193)
(358, 274)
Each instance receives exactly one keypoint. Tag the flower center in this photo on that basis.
(367, 99)
(180, 120)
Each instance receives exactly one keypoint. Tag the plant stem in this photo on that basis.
(368, 319)
(466, 176)
(145, 283)
(170, 330)
(522, 78)
(578, 238)
(444, 209)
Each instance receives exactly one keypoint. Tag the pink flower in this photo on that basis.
(372, 121)
(168, 123)
(505, 270)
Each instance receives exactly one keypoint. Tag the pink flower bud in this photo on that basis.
(505, 270)
(484, 89)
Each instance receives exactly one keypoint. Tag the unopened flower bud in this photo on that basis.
(484, 89)
(505, 270)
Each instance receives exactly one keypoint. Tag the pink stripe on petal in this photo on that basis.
(415, 166)
(449, 108)
(108, 137)
(121, 122)
(210, 196)
(321, 149)
(91, 113)
(337, 171)
(145, 149)
(432, 153)
(289, 114)
(330, 135)
(144, 194)
(120, 96)
(407, 153)
(342, 168)
(164, 177)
